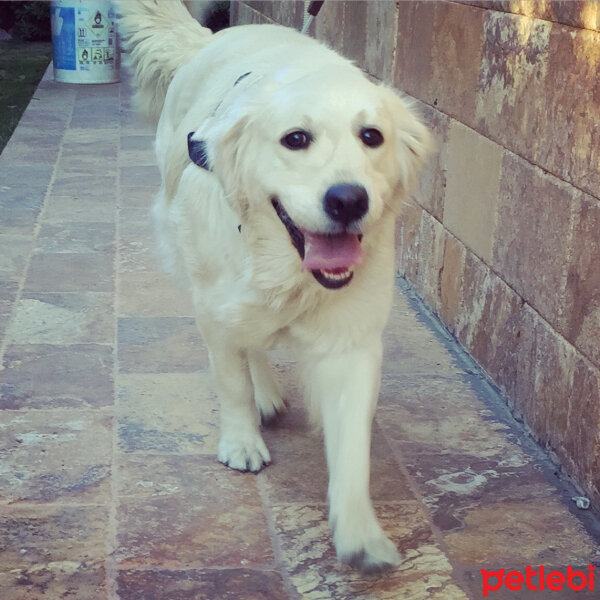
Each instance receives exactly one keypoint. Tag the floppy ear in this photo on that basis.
(217, 146)
(413, 140)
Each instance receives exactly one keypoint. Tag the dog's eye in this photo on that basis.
(297, 140)
(371, 137)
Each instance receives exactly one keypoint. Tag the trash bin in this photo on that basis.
(84, 42)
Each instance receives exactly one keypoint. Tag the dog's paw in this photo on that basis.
(370, 553)
(375, 556)
(271, 408)
(247, 453)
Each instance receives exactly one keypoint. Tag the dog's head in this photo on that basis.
(327, 155)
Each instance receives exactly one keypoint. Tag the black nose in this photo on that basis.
(346, 202)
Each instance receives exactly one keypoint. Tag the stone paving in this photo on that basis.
(109, 487)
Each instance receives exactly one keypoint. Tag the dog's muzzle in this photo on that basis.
(331, 258)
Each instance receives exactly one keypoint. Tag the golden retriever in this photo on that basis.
(283, 171)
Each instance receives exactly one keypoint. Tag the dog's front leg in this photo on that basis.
(241, 445)
(345, 388)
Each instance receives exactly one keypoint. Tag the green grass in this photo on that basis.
(22, 65)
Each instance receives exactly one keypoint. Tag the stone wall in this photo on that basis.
(502, 238)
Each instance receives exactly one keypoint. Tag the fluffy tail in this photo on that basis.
(160, 38)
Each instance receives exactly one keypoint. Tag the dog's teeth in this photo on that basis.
(337, 276)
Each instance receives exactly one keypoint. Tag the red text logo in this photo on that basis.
(538, 580)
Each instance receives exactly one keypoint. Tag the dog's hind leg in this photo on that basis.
(241, 445)
(267, 392)
(345, 387)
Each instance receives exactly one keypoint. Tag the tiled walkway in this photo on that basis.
(109, 487)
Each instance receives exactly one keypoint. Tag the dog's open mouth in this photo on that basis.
(331, 258)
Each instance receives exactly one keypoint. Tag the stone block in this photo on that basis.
(172, 514)
(456, 57)
(8, 295)
(381, 30)
(431, 257)
(137, 198)
(330, 23)
(494, 327)
(520, 105)
(582, 316)
(455, 482)
(354, 34)
(407, 239)
(31, 147)
(413, 70)
(514, 364)
(570, 143)
(583, 14)
(554, 367)
(82, 183)
(13, 176)
(431, 188)
(77, 141)
(71, 579)
(438, 55)
(581, 439)
(53, 551)
(534, 236)
(234, 10)
(71, 237)
(440, 416)
(63, 318)
(421, 251)
(137, 249)
(473, 167)
(451, 282)
(511, 100)
(169, 584)
(71, 272)
(490, 531)
(14, 250)
(173, 413)
(140, 176)
(61, 209)
(74, 376)
(261, 6)
(60, 455)
(137, 151)
(20, 208)
(134, 123)
(160, 345)
(246, 15)
(412, 350)
(95, 107)
(289, 13)
(152, 294)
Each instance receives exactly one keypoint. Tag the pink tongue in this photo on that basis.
(328, 252)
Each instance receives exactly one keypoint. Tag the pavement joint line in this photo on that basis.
(278, 554)
(110, 563)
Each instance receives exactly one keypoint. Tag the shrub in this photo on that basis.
(27, 21)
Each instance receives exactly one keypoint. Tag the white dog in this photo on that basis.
(283, 170)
